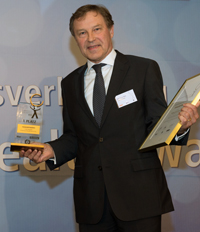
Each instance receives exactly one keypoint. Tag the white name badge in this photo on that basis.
(125, 98)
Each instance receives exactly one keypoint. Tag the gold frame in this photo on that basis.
(147, 145)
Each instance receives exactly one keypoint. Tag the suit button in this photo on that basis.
(100, 168)
(101, 140)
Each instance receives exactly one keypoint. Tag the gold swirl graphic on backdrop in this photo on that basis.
(36, 94)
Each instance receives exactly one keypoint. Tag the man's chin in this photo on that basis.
(94, 59)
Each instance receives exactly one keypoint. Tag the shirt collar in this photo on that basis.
(110, 59)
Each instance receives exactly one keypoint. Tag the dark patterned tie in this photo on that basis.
(98, 93)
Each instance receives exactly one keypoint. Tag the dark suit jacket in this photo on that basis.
(108, 157)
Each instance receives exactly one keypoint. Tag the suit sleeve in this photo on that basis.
(65, 147)
(154, 94)
(154, 100)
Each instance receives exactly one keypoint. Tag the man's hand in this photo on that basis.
(38, 156)
(188, 116)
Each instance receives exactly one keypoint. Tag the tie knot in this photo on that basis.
(97, 67)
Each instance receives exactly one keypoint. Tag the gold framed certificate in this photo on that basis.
(169, 124)
(29, 119)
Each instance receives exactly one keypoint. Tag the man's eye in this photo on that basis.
(82, 33)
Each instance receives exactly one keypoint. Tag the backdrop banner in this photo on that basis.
(37, 51)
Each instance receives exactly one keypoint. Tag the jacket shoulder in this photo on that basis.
(73, 74)
(135, 59)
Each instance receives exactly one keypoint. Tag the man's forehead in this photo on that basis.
(92, 13)
(89, 15)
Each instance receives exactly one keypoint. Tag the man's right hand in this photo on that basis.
(38, 156)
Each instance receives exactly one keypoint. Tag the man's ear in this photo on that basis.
(112, 31)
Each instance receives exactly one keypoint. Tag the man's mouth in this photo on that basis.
(93, 47)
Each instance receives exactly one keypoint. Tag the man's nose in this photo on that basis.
(91, 37)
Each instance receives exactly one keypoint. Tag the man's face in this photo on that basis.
(93, 37)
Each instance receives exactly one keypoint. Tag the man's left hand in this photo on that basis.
(188, 116)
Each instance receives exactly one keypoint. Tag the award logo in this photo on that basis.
(29, 120)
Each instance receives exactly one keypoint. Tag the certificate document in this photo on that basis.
(169, 124)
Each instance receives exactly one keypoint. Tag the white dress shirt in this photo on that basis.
(90, 74)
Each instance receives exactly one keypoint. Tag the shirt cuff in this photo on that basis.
(179, 137)
(53, 159)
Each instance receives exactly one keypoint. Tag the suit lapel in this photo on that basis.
(120, 69)
(81, 95)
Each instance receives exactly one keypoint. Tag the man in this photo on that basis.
(116, 188)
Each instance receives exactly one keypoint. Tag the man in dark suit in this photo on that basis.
(116, 188)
